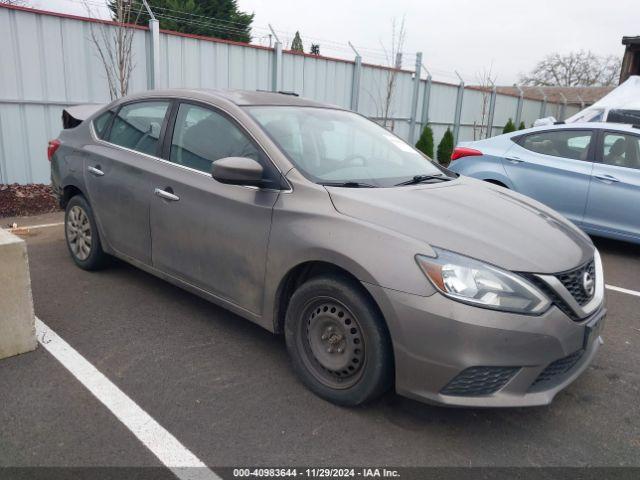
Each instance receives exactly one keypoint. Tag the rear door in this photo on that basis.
(116, 175)
(211, 235)
(613, 206)
(554, 167)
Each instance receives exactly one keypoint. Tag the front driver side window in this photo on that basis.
(572, 144)
(201, 136)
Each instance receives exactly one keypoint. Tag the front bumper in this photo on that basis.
(529, 358)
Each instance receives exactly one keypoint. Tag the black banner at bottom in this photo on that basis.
(264, 473)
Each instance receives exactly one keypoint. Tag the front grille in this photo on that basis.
(554, 297)
(476, 381)
(556, 369)
(573, 282)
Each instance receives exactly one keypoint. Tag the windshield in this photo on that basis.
(337, 147)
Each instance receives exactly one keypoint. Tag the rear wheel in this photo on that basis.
(338, 341)
(81, 234)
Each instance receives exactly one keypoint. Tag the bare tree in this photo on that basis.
(486, 81)
(114, 45)
(393, 56)
(575, 69)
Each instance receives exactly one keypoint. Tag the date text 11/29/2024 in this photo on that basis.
(315, 473)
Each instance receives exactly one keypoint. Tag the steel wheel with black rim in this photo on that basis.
(81, 233)
(338, 341)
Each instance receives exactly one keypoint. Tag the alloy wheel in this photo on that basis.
(79, 233)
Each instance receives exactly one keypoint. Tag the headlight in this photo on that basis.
(471, 281)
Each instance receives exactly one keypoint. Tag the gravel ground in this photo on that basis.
(32, 199)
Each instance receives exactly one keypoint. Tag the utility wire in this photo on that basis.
(234, 28)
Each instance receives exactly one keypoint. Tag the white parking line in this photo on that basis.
(175, 456)
(45, 225)
(623, 290)
(42, 225)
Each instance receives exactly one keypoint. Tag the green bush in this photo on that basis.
(522, 126)
(425, 142)
(509, 127)
(445, 148)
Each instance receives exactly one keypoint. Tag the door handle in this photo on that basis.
(166, 195)
(515, 160)
(95, 171)
(607, 178)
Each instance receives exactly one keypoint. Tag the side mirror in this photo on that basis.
(238, 171)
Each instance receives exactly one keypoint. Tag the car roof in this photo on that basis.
(237, 97)
(578, 125)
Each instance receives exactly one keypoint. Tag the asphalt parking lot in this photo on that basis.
(224, 388)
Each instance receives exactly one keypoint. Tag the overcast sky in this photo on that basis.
(469, 36)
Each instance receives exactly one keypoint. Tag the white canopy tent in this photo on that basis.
(624, 97)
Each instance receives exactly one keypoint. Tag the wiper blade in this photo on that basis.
(348, 184)
(423, 178)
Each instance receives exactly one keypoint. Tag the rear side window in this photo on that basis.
(572, 144)
(621, 150)
(101, 124)
(137, 126)
(201, 136)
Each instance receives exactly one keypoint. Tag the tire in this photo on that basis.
(338, 341)
(81, 235)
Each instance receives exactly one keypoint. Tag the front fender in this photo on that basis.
(306, 227)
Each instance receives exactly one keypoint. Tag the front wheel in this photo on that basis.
(338, 342)
(81, 234)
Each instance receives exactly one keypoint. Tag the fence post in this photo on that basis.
(414, 98)
(276, 80)
(492, 109)
(519, 106)
(563, 108)
(153, 77)
(458, 114)
(426, 98)
(154, 74)
(355, 80)
(543, 106)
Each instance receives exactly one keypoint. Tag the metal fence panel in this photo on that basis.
(317, 78)
(530, 112)
(443, 103)
(505, 110)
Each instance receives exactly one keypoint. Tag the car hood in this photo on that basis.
(470, 217)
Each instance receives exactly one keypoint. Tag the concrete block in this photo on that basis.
(17, 320)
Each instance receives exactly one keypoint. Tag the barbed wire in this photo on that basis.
(234, 28)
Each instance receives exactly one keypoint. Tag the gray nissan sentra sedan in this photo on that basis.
(380, 267)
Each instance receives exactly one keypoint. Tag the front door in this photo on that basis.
(211, 235)
(115, 171)
(554, 167)
(613, 206)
